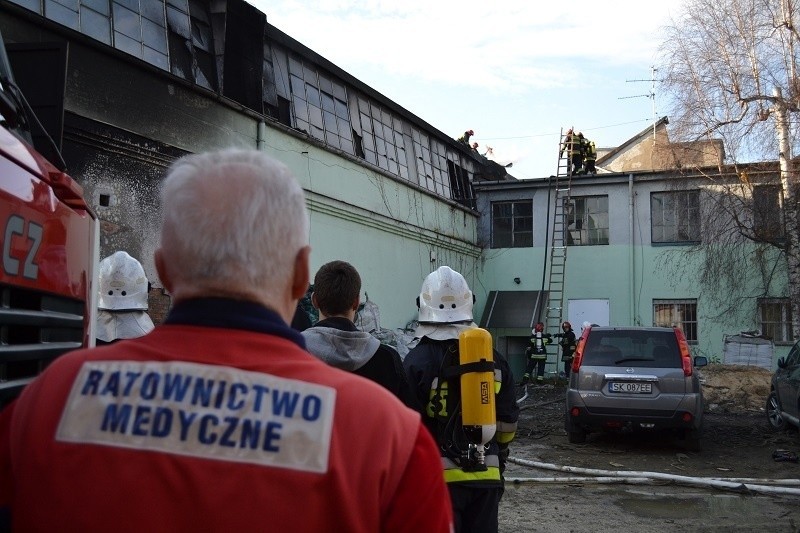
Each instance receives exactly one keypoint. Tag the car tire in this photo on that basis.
(577, 436)
(774, 415)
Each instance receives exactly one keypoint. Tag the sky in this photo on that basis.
(516, 72)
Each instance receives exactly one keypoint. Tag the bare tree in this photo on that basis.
(730, 67)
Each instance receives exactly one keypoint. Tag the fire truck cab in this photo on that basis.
(49, 245)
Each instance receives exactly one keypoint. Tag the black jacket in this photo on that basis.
(338, 342)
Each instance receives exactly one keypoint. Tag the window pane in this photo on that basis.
(675, 216)
(775, 319)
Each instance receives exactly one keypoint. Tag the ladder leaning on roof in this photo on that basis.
(557, 257)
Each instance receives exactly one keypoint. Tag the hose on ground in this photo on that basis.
(592, 475)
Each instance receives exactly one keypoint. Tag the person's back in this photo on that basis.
(218, 419)
(336, 340)
(475, 483)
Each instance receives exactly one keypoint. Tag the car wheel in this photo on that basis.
(577, 436)
(774, 415)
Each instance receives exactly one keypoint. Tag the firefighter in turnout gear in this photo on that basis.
(590, 156)
(568, 344)
(574, 149)
(536, 353)
(440, 370)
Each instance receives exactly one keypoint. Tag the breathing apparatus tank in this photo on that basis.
(478, 416)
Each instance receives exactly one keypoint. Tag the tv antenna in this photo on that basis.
(651, 95)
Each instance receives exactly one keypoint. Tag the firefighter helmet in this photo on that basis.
(539, 327)
(566, 325)
(445, 298)
(123, 283)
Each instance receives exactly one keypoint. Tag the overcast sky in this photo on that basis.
(516, 72)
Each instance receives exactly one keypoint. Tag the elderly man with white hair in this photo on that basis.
(219, 420)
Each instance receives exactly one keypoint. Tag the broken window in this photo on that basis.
(587, 217)
(320, 105)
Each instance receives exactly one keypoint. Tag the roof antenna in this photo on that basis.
(651, 95)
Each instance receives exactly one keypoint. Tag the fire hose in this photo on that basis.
(591, 475)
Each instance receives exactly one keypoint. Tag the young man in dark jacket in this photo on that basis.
(336, 340)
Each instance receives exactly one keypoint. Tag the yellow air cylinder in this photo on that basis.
(477, 386)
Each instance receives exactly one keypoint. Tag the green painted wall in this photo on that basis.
(386, 228)
(630, 271)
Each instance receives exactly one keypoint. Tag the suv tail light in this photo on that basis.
(577, 357)
(686, 355)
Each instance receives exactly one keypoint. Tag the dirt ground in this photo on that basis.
(737, 443)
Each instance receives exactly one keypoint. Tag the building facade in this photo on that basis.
(636, 246)
(124, 87)
(134, 84)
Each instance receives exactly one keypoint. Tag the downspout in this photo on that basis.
(547, 243)
(631, 253)
(261, 134)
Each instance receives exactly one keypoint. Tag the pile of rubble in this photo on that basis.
(732, 388)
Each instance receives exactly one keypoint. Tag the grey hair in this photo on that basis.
(233, 218)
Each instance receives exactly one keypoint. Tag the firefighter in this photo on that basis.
(568, 344)
(537, 353)
(122, 299)
(573, 148)
(445, 311)
(591, 157)
(465, 138)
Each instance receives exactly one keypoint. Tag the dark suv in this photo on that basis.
(634, 379)
(783, 402)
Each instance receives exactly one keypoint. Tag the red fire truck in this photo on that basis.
(49, 244)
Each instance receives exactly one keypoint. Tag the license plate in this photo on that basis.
(635, 388)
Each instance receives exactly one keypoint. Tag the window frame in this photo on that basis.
(768, 216)
(689, 220)
(678, 316)
(786, 336)
(585, 216)
(518, 238)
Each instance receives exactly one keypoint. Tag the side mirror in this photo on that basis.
(782, 362)
(700, 360)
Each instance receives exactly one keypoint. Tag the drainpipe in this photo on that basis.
(631, 205)
(261, 134)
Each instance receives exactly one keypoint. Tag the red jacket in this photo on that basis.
(153, 434)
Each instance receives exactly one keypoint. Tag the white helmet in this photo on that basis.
(123, 283)
(445, 297)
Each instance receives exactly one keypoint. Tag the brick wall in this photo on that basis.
(159, 302)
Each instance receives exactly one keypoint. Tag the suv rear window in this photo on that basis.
(649, 349)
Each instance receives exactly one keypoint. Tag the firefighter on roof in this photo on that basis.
(591, 157)
(440, 372)
(571, 144)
